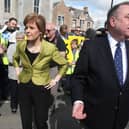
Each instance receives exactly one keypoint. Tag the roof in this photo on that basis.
(77, 13)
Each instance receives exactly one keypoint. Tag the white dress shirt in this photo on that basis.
(113, 46)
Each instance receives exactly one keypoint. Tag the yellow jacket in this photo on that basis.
(39, 70)
(4, 44)
(72, 62)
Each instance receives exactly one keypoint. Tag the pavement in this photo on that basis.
(59, 119)
(7, 119)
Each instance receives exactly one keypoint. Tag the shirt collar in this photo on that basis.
(113, 42)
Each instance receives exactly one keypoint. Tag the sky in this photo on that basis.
(97, 9)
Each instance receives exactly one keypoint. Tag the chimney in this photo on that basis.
(85, 9)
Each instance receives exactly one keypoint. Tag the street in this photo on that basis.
(59, 119)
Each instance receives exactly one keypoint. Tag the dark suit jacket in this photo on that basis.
(95, 82)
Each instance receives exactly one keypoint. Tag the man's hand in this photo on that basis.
(78, 111)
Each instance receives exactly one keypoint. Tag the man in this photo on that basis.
(64, 31)
(101, 93)
(77, 31)
(90, 33)
(9, 35)
(52, 35)
(10, 31)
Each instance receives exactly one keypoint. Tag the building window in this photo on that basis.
(60, 20)
(88, 24)
(74, 22)
(82, 23)
(36, 6)
(7, 6)
(87, 14)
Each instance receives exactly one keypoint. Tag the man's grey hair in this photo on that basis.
(113, 11)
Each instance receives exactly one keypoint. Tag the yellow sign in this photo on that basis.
(68, 45)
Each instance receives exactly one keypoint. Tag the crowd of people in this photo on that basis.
(92, 68)
(28, 61)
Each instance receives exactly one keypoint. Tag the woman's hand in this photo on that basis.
(52, 83)
(17, 69)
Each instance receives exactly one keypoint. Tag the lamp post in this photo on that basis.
(111, 3)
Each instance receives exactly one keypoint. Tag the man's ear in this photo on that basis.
(112, 21)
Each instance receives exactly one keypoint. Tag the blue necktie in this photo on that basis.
(118, 63)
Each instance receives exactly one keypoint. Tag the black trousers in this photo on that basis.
(4, 89)
(34, 101)
(13, 86)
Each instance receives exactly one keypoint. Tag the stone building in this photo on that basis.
(20, 8)
(81, 18)
(54, 11)
(71, 16)
(61, 14)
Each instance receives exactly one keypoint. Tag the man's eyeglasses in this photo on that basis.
(78, 30)
(49, 30)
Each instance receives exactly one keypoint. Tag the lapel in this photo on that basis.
(127, 53)
(105, 51)
(23, 45)
(39, 57)
(107, 57)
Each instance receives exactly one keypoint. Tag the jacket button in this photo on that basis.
(116, 108)
(121, 93)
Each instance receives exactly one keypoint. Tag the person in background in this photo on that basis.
(13, 86)
(90, 34)
(2, 50)
(4, 70)
(10, 32)
(9, 35)
(35, 55)
(101, 32)
(74, 55)
(77, 31)
(64, 31)
(100, 83)
(4, 27)
(12, 83)
(52, 35)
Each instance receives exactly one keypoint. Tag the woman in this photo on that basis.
(35, 55)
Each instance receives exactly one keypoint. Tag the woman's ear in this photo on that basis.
(41, 35)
